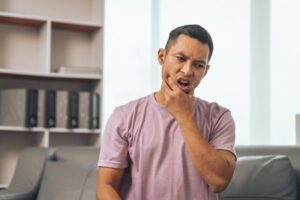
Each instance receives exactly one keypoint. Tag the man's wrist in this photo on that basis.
(184, 119)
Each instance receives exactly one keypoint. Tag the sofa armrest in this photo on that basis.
(261, 178)
(27, 176)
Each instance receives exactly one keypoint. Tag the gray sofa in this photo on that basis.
(62, 173)
(70, 173)
(265, 173)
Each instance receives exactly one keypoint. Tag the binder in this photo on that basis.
(94, 110)
(50, 109)
(73, 107)
(31, 108)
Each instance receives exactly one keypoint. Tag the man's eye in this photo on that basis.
(180, 58)
(200, 65)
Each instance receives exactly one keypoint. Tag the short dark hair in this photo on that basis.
(194, 31)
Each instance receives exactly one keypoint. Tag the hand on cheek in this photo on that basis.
(178, 103)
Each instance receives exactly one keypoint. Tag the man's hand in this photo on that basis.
(178, 103)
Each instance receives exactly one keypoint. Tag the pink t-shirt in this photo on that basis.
(143, 136)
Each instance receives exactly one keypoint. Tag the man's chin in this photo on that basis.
(186, 91)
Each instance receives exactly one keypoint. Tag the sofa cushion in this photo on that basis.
(64, 180)
(77, 154)
(90, 187)
(262, 178)
(25, 185)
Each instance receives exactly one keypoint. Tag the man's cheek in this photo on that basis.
(195, 84)
(166, 75)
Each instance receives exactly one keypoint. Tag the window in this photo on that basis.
(254, 69)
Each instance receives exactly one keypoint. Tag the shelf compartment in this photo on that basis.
(23, 43)
(13, 110)
(78, 49)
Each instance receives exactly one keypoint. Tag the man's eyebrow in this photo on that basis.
(196, 61)
(200, 61)
(181, 54)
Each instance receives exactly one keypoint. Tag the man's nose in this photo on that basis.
(187, 69)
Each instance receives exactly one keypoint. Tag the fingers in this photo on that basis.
(167, 85)
(171, 88)
(172, 85)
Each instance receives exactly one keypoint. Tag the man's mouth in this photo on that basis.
(184, 84)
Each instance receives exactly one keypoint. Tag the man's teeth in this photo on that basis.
(183, 82)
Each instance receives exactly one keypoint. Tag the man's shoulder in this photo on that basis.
(207, 106)
(213, 112)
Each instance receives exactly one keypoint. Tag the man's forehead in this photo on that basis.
(189, 46)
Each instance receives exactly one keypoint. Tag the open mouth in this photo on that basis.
(184, 84)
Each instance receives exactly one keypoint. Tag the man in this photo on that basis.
(170, 145)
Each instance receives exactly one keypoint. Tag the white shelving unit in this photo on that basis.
(37, 39)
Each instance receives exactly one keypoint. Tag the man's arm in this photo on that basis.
(216, 167)
(108, 183)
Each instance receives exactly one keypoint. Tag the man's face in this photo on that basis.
(185, 62)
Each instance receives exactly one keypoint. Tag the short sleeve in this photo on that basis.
(223, 134)
(114, 144)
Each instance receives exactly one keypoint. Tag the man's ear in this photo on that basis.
(161, 56)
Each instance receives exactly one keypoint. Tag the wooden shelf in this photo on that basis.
(20, 129)
(24, 20)
(75, 25)
(76, 131)
(19, 79)
(51, 130)
(52, 75)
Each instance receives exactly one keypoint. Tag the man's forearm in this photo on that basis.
(211, 165)
(107, 192)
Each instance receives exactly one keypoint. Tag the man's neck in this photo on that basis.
(159, 97)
